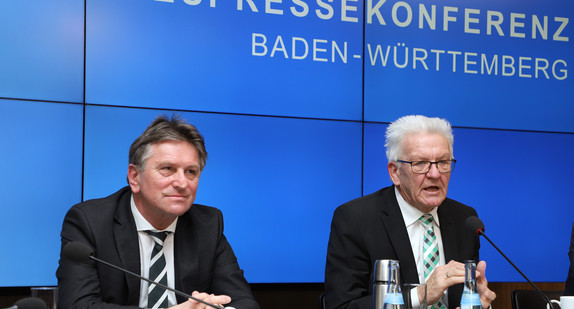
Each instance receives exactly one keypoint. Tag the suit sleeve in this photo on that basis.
(348, 267)
(79, 283)
(228, 278)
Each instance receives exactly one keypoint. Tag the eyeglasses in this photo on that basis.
(423, 167)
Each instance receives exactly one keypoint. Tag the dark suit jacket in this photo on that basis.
(569, 288)
(371, 228)
(204, 260)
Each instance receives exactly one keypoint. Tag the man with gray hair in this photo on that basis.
(395, 222)
(153, 228)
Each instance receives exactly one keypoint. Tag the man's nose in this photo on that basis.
(433, 170)
(179, 179)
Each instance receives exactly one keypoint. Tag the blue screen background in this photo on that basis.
(293, 106)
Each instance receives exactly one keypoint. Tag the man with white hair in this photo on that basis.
(395, 222)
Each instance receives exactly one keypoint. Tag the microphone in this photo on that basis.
(29, 303)
(81, 253)
(475, 225)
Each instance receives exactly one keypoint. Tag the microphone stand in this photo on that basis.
(481, 232)
(156, 283)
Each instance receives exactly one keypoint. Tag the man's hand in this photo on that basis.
(442, 278)
(218, 300)
(486, 295)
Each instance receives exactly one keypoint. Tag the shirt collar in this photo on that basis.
(412, 214)
(142, 224)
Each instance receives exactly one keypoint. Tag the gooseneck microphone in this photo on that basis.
(475, 225)
(29, 303)
(81, 253)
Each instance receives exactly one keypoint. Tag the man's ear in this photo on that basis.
(133, 179)
(394, 173)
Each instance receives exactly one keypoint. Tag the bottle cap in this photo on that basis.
(381, 271)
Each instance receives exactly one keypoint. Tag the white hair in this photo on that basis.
(414, 124)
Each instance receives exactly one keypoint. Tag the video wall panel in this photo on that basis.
(42, 176)
(42, 50)
(293, 98)
(277, 181)
(489, 64)
(250, 57)
(516, 182)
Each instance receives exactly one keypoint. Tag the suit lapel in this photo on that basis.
(395, 225)
(127, 245)
(450, 248)
(185, 255)
(448, 234)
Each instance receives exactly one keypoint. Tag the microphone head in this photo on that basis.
(475, 225)
(31, 303)
(77, 252)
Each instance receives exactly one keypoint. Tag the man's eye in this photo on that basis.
(191, 174)
(166, 170)
(419, 163)
(193, 171)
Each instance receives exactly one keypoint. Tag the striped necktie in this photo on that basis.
(430, 252)
(157, 296)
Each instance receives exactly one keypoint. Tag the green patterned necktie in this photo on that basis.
(430, 252)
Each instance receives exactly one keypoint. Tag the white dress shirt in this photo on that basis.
(146, 244)
(416, 231)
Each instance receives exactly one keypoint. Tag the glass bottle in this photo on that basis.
(470, 297)
(394, 298)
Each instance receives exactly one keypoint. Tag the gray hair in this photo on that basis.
(414, 124)
(166, 129)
